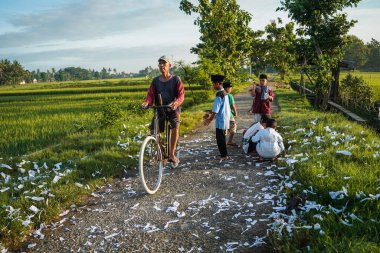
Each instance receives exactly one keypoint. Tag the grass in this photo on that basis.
(53, 139)
(313, 139)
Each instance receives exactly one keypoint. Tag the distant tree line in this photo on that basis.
(12, 73)
(366, 56)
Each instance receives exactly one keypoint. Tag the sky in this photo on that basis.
(128, 35)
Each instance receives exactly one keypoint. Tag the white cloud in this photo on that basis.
(124, 34)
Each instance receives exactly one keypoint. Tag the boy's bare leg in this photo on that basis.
(173, 143)
(231, 136)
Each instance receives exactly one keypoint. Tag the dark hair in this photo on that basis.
(263, 76)
(264, 119)
(272, 123)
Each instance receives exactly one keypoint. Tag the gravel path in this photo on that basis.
(202, 206)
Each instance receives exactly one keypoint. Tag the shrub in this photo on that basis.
(111, 112)
(355, 93)
(201, 97)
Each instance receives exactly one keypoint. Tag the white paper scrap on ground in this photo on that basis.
(135, 206)
(344, 152)
(33, 209)
(64, 213)
(32, 245)
(37, 198)
(56, 178)
(79, 185)
(173, 208)
(170, 222)
(111, 235)
(4, 189)
(6, 166)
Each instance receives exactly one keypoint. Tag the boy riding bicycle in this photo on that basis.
(171, 89)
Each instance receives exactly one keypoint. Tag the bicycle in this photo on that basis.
(154, 153)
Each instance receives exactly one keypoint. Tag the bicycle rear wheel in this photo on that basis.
(150, 164)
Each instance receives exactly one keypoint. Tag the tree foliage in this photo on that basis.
(281, 44)
(11, 73)
(225, 35)
(373, 61)
(326, 26)
(356, 51)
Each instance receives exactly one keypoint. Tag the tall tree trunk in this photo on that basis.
(326, 97)
(302, 82)
(335, 84)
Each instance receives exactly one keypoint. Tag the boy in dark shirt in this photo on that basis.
(171, 89)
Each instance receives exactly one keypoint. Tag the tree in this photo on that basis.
(104, 73)
(11, 73)
(225, 35)
(281, 44)
(356, 51)
(373, 62)
(324, 24)
(259, 52)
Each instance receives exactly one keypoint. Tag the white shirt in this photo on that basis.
(249, 134)
(222, 109)
(269, 143)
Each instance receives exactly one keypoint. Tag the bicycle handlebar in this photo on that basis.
(157, 106)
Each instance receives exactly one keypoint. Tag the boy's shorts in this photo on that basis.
(173, 118)
(232, 129)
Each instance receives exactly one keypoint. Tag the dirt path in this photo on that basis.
(202, 206)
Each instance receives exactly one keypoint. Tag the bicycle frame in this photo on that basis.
(156, 131)
(156, 156)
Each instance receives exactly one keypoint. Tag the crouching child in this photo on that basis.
(269, 142)
(248, 145)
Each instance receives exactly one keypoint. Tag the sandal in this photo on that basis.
(174, 162)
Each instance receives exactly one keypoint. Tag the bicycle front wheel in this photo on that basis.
(150, 165)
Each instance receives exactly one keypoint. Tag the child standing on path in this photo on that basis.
(269, 142)
(232, 130)
(263, 96)
(221, 112)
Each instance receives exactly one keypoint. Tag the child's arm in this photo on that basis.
(209, 119)
(234, 110)
(271, 95)
(257, 136)
(281, 143)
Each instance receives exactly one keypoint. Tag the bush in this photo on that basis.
(111, 112)
(356, 94)
(201, 97)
